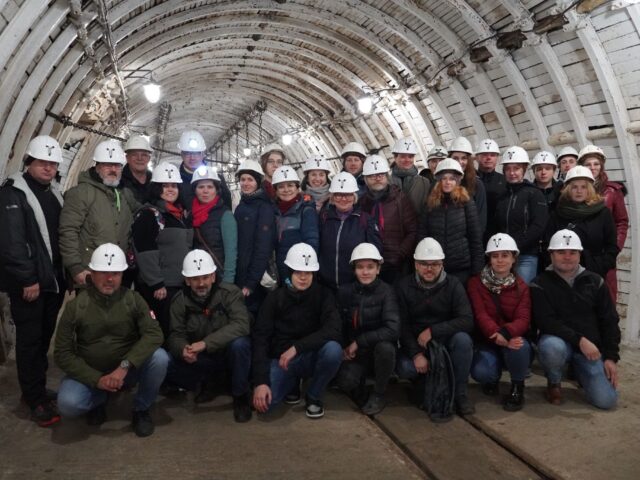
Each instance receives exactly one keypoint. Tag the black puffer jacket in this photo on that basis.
(552, 194)
(457, 229)
(522, 213)
(369, 313)
(495, 187)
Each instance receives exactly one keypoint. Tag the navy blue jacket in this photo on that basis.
(296, 225)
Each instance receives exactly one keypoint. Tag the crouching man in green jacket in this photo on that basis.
(209, 335)
(107, 340)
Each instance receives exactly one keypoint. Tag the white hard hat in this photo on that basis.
(590, 150)
(501, 242)
(449, 164)
(302, 258)
(405, 145)
(137, 142)
(196, 263)
(344, 182)
(44, 147)
(565, 240)
(205, 173)
(108, 258)
(375, 164)
(461, 144)
(578, 172)
(366, 251)
(544, 158)
(515, 154)
(353, 147)
(166, 172)
(109, 151)
(250, 165)
(191, 141)
(272, 147)
(487, 146)
(428, 249)
(283, 174)
(317, 163)
(567, 151)
(437, 151)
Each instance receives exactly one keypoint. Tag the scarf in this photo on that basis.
(252, 194)
(319, 195)
(570, 210)
(201, 211)
(427, 286)
(284, 206)
(402, 173)
(174, 210)
(493, 283)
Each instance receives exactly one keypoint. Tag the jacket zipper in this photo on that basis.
(338, 249)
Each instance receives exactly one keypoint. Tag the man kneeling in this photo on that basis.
(107, 340)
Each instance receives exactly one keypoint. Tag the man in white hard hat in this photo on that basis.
(404, 174)
(353, 155)
(31, 268)
(487, 154)
(567, 159)
(544, 166)
(108, 340)
(578, 324)
(96, 211)
(435, 156)
(209, 335)
(135, 174)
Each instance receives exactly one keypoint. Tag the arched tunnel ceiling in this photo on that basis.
(311, 61)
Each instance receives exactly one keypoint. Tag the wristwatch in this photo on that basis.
(125, 364)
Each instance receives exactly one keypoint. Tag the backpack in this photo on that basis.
(439, 385)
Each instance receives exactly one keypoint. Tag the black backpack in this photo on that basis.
(439, 387)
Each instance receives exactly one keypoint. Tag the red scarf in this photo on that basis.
(200, 211)
(284, 206)
(174, 210)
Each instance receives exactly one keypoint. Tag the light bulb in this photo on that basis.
(152, 92)
(365, 104)
(246, 151)
(287, 139)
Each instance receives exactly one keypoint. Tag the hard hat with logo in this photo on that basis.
(578, 172)
(544, 158)
(353, 148)
(366, 251)
(565, 240)
(590, 150)
(272, 147)
(204, 172)
(44, 147)
(405, 145)
(166, 173)
(487, 146)
(302, 258)
(317, 163)
(108, 258)
(196, 263)
(109, 151)
(137, 142)
(515, 154)
(428, 249)
(344, 182)
(501, 242)
(249, 165)
(375, 164)
(461, 144)
(567, 151)
(283, 174)
(437, 151)
(449, 165)
(191, 141)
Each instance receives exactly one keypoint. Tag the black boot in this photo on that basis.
(515, 400)
(242, 408)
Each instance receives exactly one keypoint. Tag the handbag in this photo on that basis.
(269, 278)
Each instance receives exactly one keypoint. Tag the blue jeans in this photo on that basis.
(76, 398)
(488, 361)
(460, 348)
(554, 353)
(527, 267)
(321, 365)
(236, 358)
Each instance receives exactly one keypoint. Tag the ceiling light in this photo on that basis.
(479, 55)
(550, 24)
(365, 104)
(287, 139)
(152, 92)
(246, 151)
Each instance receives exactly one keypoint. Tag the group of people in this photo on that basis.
(377, 270)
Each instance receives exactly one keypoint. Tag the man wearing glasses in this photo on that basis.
(135, 174)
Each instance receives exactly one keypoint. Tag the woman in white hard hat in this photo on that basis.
(582, 210)
(161, 235)
(315, 183)
(371, 326)
(353, 155)
(215, 228)
(462, 152)
(613, 194)
(271, 158)
(452, 219)
(502, 311)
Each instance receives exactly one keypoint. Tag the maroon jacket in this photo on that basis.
(515, 302)
(614, 200)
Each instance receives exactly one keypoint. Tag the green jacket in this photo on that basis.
(96, 332)
(217, 321)
(93, 214)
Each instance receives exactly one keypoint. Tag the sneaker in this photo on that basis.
(241, 408)
(314, 408)
(45, 414)
(97, 416)
(294, 396)
(142, 423)
(464, 406)
(375, 404)
(490, 389)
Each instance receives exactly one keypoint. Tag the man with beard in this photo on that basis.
(96, 211)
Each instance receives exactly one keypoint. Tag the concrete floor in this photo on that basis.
(573, 441)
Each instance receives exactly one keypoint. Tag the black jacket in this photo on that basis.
(584, 310)
(522, 213)
(140, 190)
(305, 320)
(495, 187)
(369, 313)
(445, 309)
(552, 194)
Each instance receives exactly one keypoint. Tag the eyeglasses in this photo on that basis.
(429, 265)
(377, 175)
